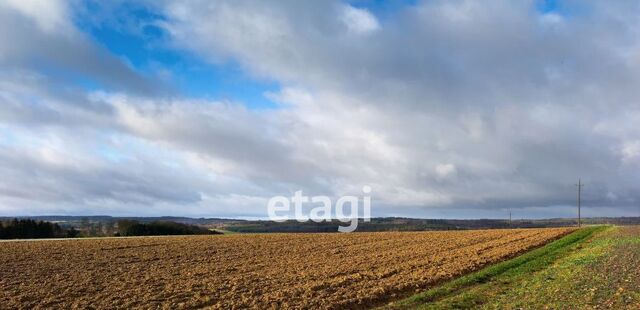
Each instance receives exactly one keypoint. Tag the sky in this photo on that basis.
(446, 109)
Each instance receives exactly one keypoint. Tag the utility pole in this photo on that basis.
(509, 218)
(579, 185)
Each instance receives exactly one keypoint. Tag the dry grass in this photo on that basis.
(248, 271)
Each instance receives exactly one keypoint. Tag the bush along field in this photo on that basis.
(593, 268)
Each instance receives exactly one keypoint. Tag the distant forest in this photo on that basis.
(35, 229)
(31, 229)
(159, 228)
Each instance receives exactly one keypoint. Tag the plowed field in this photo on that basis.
(248, 271)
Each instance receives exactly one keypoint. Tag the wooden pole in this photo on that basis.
(579, 185)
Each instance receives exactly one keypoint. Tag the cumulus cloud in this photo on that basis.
(40, 37)
(631, 150)
(514, 99)
(444, 108)
(445, 170)
(50, 16)
(359, 21)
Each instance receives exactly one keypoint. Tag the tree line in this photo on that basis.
(30, 229)
(158, 228)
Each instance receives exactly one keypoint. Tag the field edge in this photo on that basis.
(529, 261)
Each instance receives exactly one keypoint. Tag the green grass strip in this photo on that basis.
(523, 264)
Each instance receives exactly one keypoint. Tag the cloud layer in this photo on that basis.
(444, 108)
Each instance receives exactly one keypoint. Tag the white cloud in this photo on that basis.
(445, 170)
(551, 19)
(49, 15)
(506, 99)
(359, 21)
(451, 106)
(631, 151)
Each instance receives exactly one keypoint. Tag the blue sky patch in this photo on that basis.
(131, 33)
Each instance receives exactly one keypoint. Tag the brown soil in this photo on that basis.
(248, 271)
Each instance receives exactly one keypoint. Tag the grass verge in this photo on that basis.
(477, 288)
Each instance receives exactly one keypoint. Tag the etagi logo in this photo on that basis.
(279, 205)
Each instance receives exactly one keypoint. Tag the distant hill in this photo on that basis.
(410, 224)
(376, 224)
